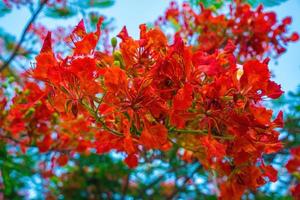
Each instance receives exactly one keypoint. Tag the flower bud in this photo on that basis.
(117, 63)
(18, 91)
(29, 112)
(4, 85)
(39, 103)
(11, 79)
(27, 92)
(55, 118)
(114, 42)
(117, 55)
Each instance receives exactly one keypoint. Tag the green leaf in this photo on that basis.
(4, 9)
(61, 12)
(175, 25)
(218, 4)
(5, 171)
(214, 4)
(95, 3)
(267, 3)
(9, 40)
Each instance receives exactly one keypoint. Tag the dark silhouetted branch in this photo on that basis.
(17, 48)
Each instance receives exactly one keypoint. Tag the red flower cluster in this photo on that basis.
(255, 32)
(59, 34)
(293, 167)
(149, 95)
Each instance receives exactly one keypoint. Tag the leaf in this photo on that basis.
(4, 9)
(214, 4)
(9, 40)
(5, 170)
(254, 3)
(96, 3)
(267, 3)
(61, 12)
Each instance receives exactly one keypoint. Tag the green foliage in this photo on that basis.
(16, 169)
(160, 174)
(74, 7)
(267, 3)
(217, 4)
(291, 104)
(61, 12)
(8, 39)
(4, 9)
(91, 175)
(208, 3)
(96, 3)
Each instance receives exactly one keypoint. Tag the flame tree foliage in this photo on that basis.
(184, 111)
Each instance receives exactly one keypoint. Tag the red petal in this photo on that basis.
(128, 145)
(47, 45)
(131, 160)
(279, 120)
(287, 21)
(79, 30)
(123, 34)
(183, 98)
(62, 160)
(293, 165)
(154, 137)
(271, 173)
(273, 90)
(294, 37)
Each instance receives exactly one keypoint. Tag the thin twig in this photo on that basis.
(125, 188)
(200, 132)
(32, 19)
(19, 142)
(98, 119)
(186, 180)
(159, 178)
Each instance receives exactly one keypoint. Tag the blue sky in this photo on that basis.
(134, 12)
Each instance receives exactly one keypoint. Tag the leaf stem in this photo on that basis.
(98, 119)
(200, 132)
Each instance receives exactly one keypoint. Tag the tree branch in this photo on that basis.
(175, 192)
(143, 190)
(125, 188)
(17, 48)
(200, 132)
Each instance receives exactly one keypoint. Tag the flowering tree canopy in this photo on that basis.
(199, 89)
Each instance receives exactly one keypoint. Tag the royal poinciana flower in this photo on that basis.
(150, 94)
(59, 35)
(254, 31)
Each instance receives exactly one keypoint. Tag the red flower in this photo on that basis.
(84, 43)
(256, 81)
(293, 164)
(131, 160)
(154, 136)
